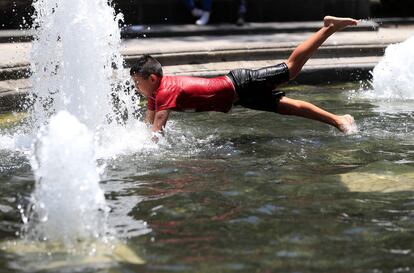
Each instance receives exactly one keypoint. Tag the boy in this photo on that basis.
(253, 89)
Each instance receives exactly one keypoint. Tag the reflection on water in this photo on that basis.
(254, 192)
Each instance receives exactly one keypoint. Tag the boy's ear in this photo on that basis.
(153, 77)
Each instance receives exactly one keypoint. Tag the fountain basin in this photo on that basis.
(286, 188)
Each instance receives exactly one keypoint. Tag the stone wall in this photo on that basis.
(174, 11)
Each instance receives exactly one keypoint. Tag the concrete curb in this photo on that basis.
(12, 100)
(15, 71)
(329, 74)
(254, 53)
(16, 36)
(195, 65)
(22, 70)
(157, 31)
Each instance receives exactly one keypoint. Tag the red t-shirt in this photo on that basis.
(182, 93)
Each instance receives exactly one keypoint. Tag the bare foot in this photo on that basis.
(338, 23)
(346, 124)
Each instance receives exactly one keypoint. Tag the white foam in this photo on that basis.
(6, 142)
(67, 203)
(351, 128)
(115, 140)
(393, 76)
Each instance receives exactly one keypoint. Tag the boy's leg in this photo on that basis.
(304, 51)
(297, 60)
(304, 109)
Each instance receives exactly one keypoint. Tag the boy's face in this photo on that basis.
(146, 86)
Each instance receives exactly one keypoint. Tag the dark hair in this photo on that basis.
(145, 66)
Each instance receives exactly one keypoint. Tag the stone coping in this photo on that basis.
(13, 92)
(155, 31)
(201, 57)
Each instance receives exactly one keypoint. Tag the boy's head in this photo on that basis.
(146, 74)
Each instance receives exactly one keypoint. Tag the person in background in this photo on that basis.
(202, 13)
(241, 13)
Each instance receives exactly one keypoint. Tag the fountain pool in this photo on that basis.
(253, 192)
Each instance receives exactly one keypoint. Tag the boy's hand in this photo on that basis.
(155, 137)
(160, 120)
(149, 117)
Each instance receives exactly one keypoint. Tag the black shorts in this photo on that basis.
(255, 88)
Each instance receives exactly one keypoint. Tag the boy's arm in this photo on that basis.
(160, 119)
(149, 117)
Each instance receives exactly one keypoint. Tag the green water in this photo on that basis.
(255, 192)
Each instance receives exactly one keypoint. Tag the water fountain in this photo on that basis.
(72, 59)
(74, 54)
(392, 93)
(393, 76)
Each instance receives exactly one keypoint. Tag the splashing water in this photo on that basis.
(68, 203)
(74, 85)
(76, 46)
(393, 77)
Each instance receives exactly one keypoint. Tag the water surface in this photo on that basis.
(254, 192)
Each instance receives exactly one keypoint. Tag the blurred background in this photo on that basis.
(15, 14)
